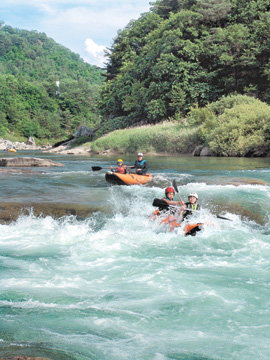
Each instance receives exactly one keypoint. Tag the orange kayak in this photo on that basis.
(192, 229)
(127, 179)
(173, 222)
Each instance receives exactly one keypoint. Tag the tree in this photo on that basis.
(192, 52)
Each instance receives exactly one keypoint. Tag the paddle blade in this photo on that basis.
(175, 186)
(96, 168)
(160, 203)
(223, 218)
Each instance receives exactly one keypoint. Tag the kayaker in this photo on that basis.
(121, 168)
(190, 207)
(169, 195)
(140, 165)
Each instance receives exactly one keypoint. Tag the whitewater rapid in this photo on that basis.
(115, 286)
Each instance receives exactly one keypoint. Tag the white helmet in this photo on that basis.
(140, 154)
(193, 194)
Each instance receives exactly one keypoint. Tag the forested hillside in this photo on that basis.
(186, 52)
(46, 90)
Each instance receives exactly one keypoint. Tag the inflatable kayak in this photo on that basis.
(173, 222)
(127, 179)
(192, 229)
(11, 150)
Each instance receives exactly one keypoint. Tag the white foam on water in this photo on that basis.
(115, 286)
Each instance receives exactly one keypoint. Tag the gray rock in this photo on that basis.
(197, 150)
(206, 151)
(31, 141)
(27, 162)
(5, 144)
(84, 131)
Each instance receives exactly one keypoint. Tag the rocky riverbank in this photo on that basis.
(30, 144)
(67, 149)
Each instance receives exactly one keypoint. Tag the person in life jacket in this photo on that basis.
(140, 165)
(190, 207)
(172, 210)
(121, 168)
(169, 195)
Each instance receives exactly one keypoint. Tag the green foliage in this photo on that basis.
(187, 52)
(234, 125)
(31, 103)
(228, 102)
(241, 130)
(199, 116)
(33, 56)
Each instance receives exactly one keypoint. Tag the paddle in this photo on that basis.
(176, 189)
(161, 204)
(223, 218)
(97, 168)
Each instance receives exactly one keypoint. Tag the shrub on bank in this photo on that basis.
(170, 137)
(234, 126)
(242, 130)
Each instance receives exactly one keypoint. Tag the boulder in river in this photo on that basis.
(27, 162)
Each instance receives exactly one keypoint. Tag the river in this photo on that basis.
(115, 286)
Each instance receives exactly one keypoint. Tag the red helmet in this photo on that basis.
(169, 190)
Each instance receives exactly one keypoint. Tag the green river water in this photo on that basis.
(110, 284)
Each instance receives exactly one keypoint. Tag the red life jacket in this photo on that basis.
(121, 169)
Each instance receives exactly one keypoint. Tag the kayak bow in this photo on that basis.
(127, 179)
(172, 222)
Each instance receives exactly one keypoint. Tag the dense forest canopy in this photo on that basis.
(46, 90)
(186, 52)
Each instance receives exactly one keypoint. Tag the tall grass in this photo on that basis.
(166, 137)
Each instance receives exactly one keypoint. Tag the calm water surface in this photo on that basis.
(116, 286)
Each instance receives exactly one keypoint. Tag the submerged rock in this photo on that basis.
(27, 162)
(255, 214)
(23, 358)
(238, 181)
(12, 211)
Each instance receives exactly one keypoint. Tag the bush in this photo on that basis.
(241, 130)
(236, 125)
(228, 102)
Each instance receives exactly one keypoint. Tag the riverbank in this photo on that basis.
(167, 138)
(13, 146)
